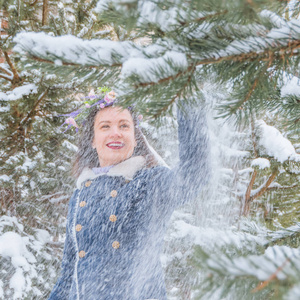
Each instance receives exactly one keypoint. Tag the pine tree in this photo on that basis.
(209, 248)
(156, 52)
(36, 156)
(251, 46)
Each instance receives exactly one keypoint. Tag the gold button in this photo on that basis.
(78, 227)
(88, 183)
(113, 218)
(81, 253)
(82, 203)
(127, 181)
(113, 193)
(115, 244)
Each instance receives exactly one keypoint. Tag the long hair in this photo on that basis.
(87, 156)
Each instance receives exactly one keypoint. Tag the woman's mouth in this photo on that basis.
(115, 145)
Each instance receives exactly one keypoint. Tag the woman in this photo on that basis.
(119, 212)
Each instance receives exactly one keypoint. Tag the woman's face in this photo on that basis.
(114, 137)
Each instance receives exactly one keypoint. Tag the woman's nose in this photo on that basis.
(116, 132)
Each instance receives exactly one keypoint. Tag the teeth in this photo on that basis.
(115, 144)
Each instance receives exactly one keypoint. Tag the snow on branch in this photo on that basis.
(275, 38)
(259, 266)
(133, 59)
(149, 12)
(285, 232)
(19, 92)
(291, 87)
(169, 64)
(272, 143)
(69, 48)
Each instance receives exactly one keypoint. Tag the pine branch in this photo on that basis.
(6, 78)
(166, 79)
(207, 17)
(45, 12)
(285, 236)
(247, 201)
(265, 283)
(71, 64)
(288, 187)
(159, 112)
(6, 71)
(31, 113)
(249, 93)
(230, 268)
(16, 77)
(265, 186)
(269, 55)
(247, 198)
(265, 55)
(253, 138)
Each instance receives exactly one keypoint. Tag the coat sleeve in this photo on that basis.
(62, 287)
(183, 183)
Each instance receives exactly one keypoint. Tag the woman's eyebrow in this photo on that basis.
(104, 122)
(123, 120)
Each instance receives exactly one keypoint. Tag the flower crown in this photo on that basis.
(105, 97)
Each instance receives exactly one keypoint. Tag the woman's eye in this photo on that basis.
(104, 126)
(125, 126)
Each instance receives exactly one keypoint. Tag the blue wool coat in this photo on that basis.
(116, 221)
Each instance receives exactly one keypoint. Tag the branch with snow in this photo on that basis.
(259, 266)
(273, 144)
(71, 49)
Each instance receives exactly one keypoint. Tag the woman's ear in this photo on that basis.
(93, 144)
(135, 143)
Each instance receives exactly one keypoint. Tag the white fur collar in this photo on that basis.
(126, 168)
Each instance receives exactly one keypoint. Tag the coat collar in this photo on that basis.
(126, 168)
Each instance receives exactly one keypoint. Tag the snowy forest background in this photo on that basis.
(240, 238)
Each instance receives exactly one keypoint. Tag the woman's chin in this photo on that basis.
(115, 160)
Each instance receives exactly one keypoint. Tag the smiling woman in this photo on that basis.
(114, 137)
(111, 124)
(124, 199)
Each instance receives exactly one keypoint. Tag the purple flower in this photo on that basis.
(92, 94)
(102, 105)
(87, 105)
(71, 122)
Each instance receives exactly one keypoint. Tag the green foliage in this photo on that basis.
(248, 45)
(231, 274)
(36, 155)
(154, 53)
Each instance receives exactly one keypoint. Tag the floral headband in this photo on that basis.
(106, 97)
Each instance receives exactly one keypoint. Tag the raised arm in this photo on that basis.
(185, 181)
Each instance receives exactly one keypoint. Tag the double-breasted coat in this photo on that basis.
(116, 221)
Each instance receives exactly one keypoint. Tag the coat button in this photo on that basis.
(88, 183)
(113, 218)
(82, 203)
(81, 254)
(78, 227)
(115, 244)
(127, 181)
(114, 193)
